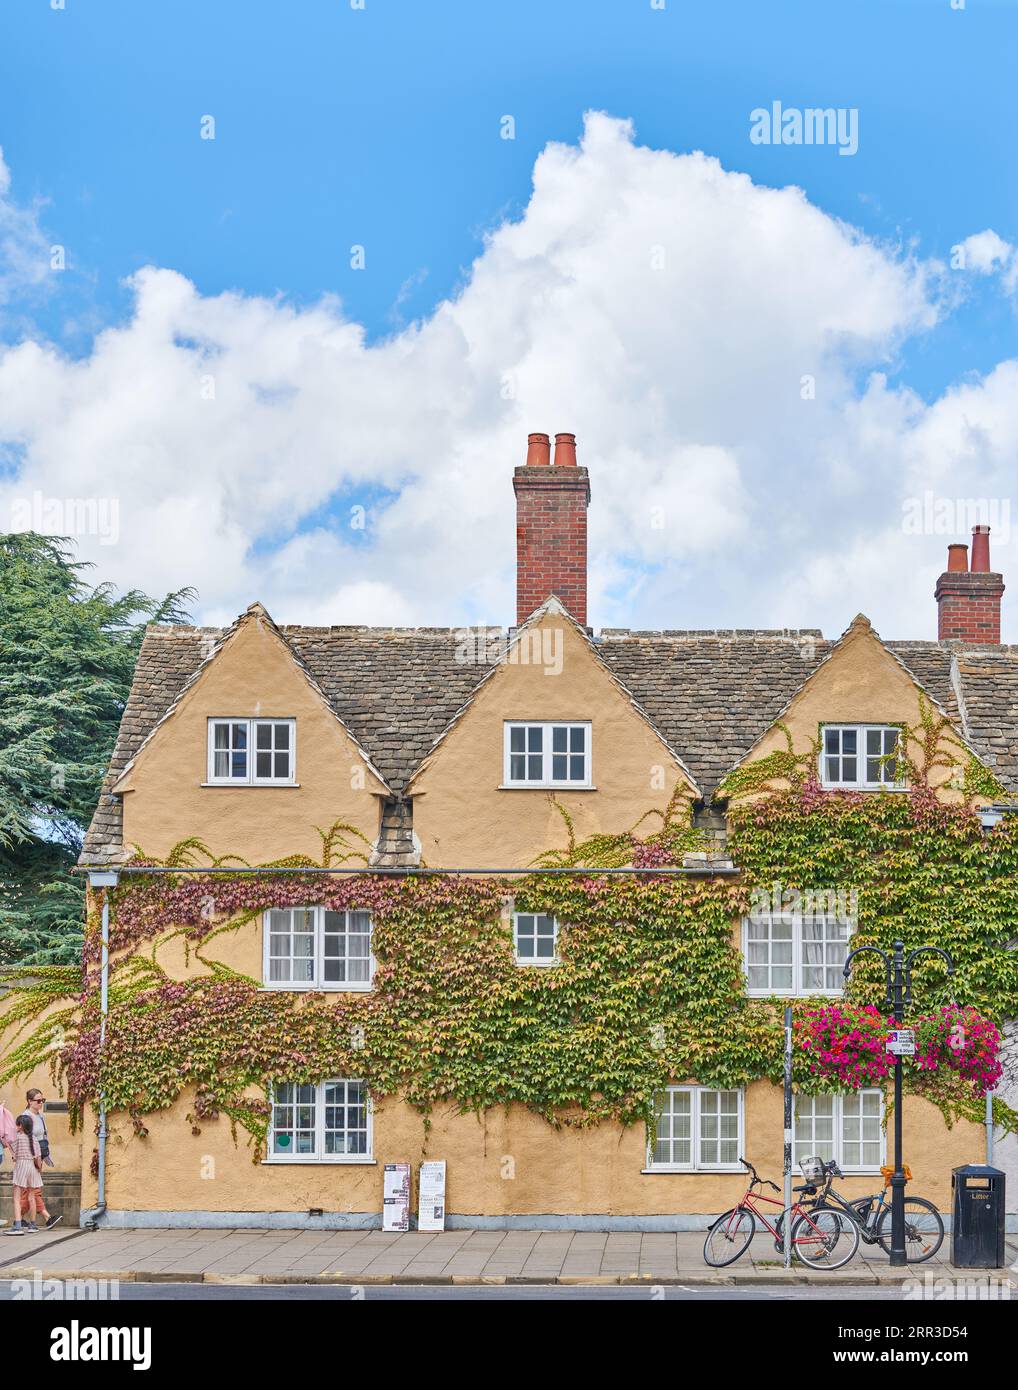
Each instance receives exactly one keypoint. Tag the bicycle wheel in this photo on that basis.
(924, 1230)
(824, 1239)
(729, 1237)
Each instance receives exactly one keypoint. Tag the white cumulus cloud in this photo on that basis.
(719, 348)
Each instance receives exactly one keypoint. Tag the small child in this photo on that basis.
(25, 1180)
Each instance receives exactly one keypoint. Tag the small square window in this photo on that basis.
(535, 938)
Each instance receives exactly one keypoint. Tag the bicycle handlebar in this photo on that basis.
(764, 1182)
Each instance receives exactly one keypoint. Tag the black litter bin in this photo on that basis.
(977, 1227)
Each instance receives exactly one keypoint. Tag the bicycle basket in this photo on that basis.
(812, 1169)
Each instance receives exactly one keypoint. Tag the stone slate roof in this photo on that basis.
(711, 695)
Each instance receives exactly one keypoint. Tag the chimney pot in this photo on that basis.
(538, 451)
(565, 451)
(957, 559)
(980, 550)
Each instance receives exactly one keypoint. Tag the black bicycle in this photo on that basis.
(924, 1229)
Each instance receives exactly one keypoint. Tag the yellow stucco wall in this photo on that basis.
(461, 814)
(253, 676)
(861, 683)
(508, 1163)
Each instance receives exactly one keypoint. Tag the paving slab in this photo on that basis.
(470, 1256)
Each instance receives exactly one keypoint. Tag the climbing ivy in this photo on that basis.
(649, 989)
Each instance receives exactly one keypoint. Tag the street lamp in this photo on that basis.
(898, 975)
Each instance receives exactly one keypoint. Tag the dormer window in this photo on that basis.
(862, 757)
(547, 754)
(252, 752)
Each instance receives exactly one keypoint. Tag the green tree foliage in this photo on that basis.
(67, 654)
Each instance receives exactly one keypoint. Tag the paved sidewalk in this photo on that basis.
(573, 1257)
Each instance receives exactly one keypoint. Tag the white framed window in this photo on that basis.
(315, 948)
(862, 756)
(252, 752)
(547, 754)
(325, 1123)
(848, 1128)
(696, 1130)
(794, 953)
(535, 938)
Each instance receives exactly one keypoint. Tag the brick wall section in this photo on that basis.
(968, 606)
(551, 538)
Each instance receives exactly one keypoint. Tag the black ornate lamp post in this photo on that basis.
(898, 970)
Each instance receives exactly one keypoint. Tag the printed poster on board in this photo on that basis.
(431, 1196)
(396, 1197)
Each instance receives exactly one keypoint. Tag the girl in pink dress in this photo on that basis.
(26, 1181)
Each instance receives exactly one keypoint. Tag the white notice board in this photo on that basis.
(396, 1197)
(431, 1196)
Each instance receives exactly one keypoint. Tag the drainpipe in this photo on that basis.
(989, 1129)
(105, 881)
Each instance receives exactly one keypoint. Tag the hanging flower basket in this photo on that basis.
(960, 1040)
(845, 1044)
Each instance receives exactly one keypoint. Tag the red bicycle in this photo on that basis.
(821, 1238)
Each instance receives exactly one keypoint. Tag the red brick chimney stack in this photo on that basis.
(551, 528)
(968, 600)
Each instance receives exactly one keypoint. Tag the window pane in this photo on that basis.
(282, 735)
(346, 948)
(535, 738)
(559, 739)
(293, 1120)
(517, 767)
(558, 767)
(848, 770)
(674, 1128)
(577, 767)
(831, 741)
(263, 735)
(281, 766)
(534, 766)
(848, 740)
(517, 740)
(222, 764)
(221, 735)
(263, 765)
(577, 739)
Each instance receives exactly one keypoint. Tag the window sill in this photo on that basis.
(859, 787)
(539, 964)
(685, 1172)
(277, 1161)
(247, 786)
(546, 787)
(791, 994)
(315, 989)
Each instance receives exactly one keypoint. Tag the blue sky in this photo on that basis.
(381, 127)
